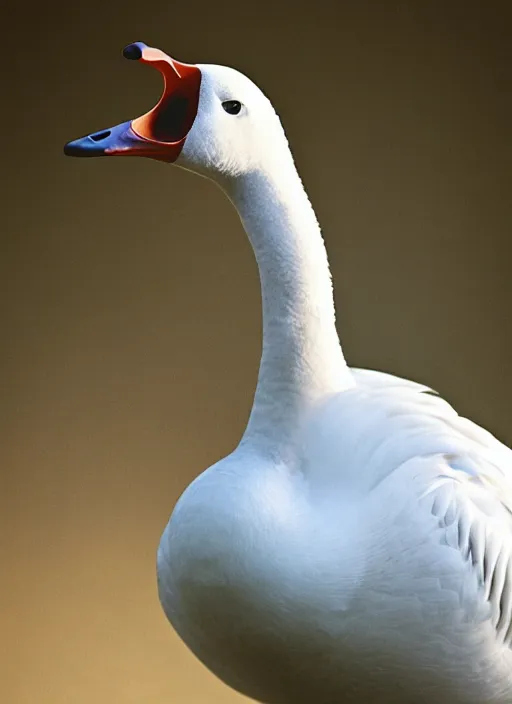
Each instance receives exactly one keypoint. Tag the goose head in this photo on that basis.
(210, 119)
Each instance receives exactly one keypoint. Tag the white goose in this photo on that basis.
(357, 545)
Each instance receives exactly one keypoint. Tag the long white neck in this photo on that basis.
(301, 357)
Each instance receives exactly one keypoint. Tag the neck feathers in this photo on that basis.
(301, 357)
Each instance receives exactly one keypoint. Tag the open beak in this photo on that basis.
(161, 132)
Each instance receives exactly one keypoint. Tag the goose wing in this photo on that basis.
(469, 488)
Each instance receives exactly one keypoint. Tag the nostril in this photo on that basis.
(101, 135)
(132, 52)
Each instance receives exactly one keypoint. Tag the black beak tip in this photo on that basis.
(71, 149)
(104, 142)
(133, 52)
(85, 146)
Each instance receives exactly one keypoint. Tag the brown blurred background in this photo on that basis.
(130, 303)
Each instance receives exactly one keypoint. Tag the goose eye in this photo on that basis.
(232, 107)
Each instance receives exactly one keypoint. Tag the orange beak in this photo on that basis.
(161, 132)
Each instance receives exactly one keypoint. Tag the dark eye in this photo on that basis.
(233, 107)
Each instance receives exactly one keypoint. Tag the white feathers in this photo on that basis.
(357, 544)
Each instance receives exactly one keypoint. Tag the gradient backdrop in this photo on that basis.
(130, 301)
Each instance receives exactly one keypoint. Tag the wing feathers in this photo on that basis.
(472, 492)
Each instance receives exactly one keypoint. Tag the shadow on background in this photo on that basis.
(130, 299)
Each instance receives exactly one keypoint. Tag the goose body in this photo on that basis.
(356, 546)
(306, 579)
